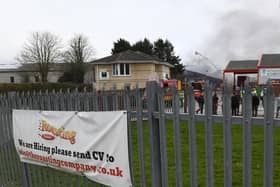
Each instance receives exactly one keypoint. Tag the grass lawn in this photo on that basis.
(55, 177)
(257, 155)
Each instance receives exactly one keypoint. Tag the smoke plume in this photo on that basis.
(240, 35)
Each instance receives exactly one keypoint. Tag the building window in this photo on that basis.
(104, 75)
(12, 79)
(121, 69)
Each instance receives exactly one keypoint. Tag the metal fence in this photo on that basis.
(169, 144)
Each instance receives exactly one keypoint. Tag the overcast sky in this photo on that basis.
(220, 30)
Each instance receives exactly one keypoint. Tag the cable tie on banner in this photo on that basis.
(76, 112)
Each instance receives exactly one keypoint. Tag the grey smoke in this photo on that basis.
(245, 35)
(240, 35)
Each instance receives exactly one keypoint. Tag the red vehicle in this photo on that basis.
(167, 86)
(170, 83)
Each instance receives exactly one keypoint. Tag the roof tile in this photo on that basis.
(270, 60)
(128, 55)
(242, 65)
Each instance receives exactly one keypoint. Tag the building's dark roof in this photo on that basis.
(128, 55)
(270, 60)
(8, 70)
(192, 75)
(242, 65)
(60, 67)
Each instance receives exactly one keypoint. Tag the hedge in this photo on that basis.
(31, 87)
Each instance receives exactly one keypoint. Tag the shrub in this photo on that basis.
(25, 87)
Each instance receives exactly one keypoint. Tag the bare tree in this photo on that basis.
(42, 49)
(78, 52)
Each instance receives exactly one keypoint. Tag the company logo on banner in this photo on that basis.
(60, 132)
(90, 143)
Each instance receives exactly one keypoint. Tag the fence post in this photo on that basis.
(227, 136)
(247, 136)
(140, 136)
(209, 134)
(128, 108)
(24, 175)
(154, 136)
(162, 131)
(268, 136)
(177, 135)
(192, 136)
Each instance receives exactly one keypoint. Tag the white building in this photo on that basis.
(28, 73)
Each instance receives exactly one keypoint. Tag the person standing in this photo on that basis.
(234, 104)
(215, 103)
(255, 105)
(200, 101)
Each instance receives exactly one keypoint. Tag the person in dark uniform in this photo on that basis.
(200, 101)
(255, 105)
(234, 104)
(215, 103)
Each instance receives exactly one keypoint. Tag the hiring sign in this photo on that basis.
(93, 144)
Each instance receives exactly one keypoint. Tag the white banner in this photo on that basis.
(93, 144)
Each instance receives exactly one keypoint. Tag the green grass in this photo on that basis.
(52, 176)
(257, 155)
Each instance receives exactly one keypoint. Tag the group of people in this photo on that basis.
(200, 101)
(236, 101)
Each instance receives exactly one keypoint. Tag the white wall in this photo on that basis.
(54, 76)
(5, 77)
(19, 77)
